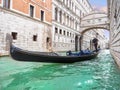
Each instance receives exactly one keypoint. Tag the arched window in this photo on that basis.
(56, 30)
(67, 20)
(47, 40)
(14, 35)
(34, 37)
(60, 31)
(64, 32)
(6, 4)
(56, 14)
(60, 16)
(64, 18)
(67, 33)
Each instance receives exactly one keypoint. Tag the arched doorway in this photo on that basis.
(76, 43)
(48, 43)
(95, 35)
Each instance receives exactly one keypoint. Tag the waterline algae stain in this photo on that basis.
(98, 74)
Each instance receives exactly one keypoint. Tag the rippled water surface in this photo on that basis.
(98, 74)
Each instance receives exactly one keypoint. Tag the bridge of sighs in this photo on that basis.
(94, 20)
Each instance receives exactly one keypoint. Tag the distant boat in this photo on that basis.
(51, 57)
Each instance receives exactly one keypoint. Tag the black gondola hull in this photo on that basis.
(24, 55)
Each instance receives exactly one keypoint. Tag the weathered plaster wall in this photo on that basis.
(26, 27)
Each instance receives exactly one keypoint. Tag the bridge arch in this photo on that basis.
(94, 20)
(88, 29)
(91, 28)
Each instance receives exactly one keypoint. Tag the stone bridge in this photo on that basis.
(94, 20)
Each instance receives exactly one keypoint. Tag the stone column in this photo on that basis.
(81, 42)
(70, 21)
(61, 16)
(78, 43)
(75, 24)
(53, 14)
(65, 19)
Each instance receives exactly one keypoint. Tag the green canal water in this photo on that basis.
(98, 74)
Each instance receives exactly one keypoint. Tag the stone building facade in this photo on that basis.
(114, 16)
(44, 25)
(66, 20)
(28, 21)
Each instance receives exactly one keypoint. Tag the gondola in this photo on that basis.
(51, 57)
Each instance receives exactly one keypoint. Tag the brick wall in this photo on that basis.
(23, 6)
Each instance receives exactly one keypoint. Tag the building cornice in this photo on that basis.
(95, 13)
(95, 18)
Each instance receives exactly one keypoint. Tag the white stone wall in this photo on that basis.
(25, 27)
(94, 19)
(114, 16)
